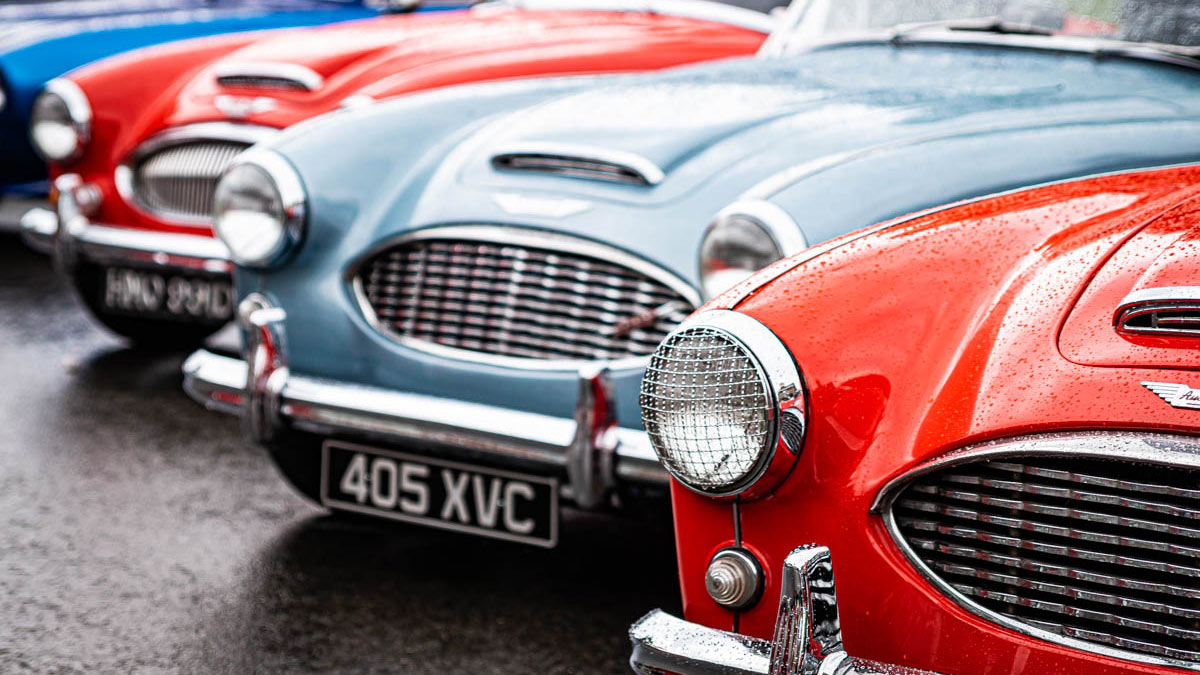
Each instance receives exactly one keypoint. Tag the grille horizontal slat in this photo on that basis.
(518, 301)
(179, 180)
(1100, 551)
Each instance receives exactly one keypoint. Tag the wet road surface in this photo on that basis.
(140, 533)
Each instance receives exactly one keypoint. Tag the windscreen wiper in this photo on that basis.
(987, 24)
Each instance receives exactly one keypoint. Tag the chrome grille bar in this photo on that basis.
(1102, 552)
(498, 293)
(180, 180)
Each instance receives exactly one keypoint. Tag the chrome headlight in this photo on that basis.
(259, 208)
(61, 122)
(719, 399)
(745, 237)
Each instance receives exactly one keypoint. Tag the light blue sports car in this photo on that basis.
(449, 300)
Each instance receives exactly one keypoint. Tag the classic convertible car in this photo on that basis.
(42, 39)
(985, 418)
(142, 252)
(479, 275)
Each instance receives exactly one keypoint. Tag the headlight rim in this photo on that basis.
(786, 393)
(289, 187)
(79, 110)
(774, 221)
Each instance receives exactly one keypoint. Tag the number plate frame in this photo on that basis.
(157, 303)
(431, 517)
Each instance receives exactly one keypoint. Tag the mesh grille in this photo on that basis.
(518, 301)
(179, 180)
(1099, 551)
(706, 408)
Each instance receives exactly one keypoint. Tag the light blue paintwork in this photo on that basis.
(865, 132)
(42, 40)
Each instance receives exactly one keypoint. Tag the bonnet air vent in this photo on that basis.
(285, 76)
(578, 162)
(1169, 312)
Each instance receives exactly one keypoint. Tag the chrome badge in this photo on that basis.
(1177, 395)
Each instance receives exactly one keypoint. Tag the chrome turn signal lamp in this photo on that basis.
(723, 403)
(259, 208)
(734, 579)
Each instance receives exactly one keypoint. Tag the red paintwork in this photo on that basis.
(143, 93)
(936, 333)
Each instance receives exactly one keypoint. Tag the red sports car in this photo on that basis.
(139, 140)
(986, 418)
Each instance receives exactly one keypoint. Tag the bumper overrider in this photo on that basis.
(74, 240)
(807, 640)
(592, 450)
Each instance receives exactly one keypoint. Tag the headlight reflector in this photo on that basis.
(61, 122)
(745, 237)
(711, 400)
(259, 208)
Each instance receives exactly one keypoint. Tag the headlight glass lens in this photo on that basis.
(735, 247)
(249, 215)
(55, 134)
(707, 409)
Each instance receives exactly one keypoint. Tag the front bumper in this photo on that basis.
(807, 640)
(594, 453)
(71, 238)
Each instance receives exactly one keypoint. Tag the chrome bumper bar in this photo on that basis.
(70, 236)
(807, 640)
(13, 210)
(595, 453)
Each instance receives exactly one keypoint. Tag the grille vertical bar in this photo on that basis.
(1101, 551)
(179, 180)
(518, 301)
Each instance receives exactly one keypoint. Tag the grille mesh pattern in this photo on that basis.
(519, 301)
(1104, 552)
(179, 180)
(706, 408)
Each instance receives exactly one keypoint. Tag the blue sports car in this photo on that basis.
(42, 39)
(450, 299)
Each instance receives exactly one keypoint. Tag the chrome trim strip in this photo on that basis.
(651, 174)
(504, 234)
(326, 407)
(188, 133)
(305, 77)
(690, 9)
(1167, 450)
(1152, 300)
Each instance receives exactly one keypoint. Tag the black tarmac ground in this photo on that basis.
(140, 533)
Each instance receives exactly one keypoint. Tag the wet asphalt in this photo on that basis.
(140, 533)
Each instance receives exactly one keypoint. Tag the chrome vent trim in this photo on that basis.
(286, 76)
(1073, 538)
(576, 161)
(171, 176)
(1166, 312)
(518, 297)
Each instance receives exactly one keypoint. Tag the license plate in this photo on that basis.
(440, 494)
(144, 293)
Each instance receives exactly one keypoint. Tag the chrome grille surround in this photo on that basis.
(1083, 539)
(172, 175)
(268, 75)
(575, 161)
(708, 379)
(518, 297)
(1161, 312)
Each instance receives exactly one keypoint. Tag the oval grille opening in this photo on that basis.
(178, 181)
(517, 301)
(1102, 552)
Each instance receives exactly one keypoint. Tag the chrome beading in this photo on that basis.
(518, 297)
(1090, 540)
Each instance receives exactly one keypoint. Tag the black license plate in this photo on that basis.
(441, 494)
(139, 292)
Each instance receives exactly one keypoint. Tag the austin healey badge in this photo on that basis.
(1178, 395)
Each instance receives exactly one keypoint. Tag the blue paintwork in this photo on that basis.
(865, 132)
(39, 41)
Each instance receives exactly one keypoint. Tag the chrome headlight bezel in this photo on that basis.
(785, 402)
(78, 113)
(773, 224)
(292, 213)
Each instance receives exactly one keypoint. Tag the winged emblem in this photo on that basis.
(1177, 395)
